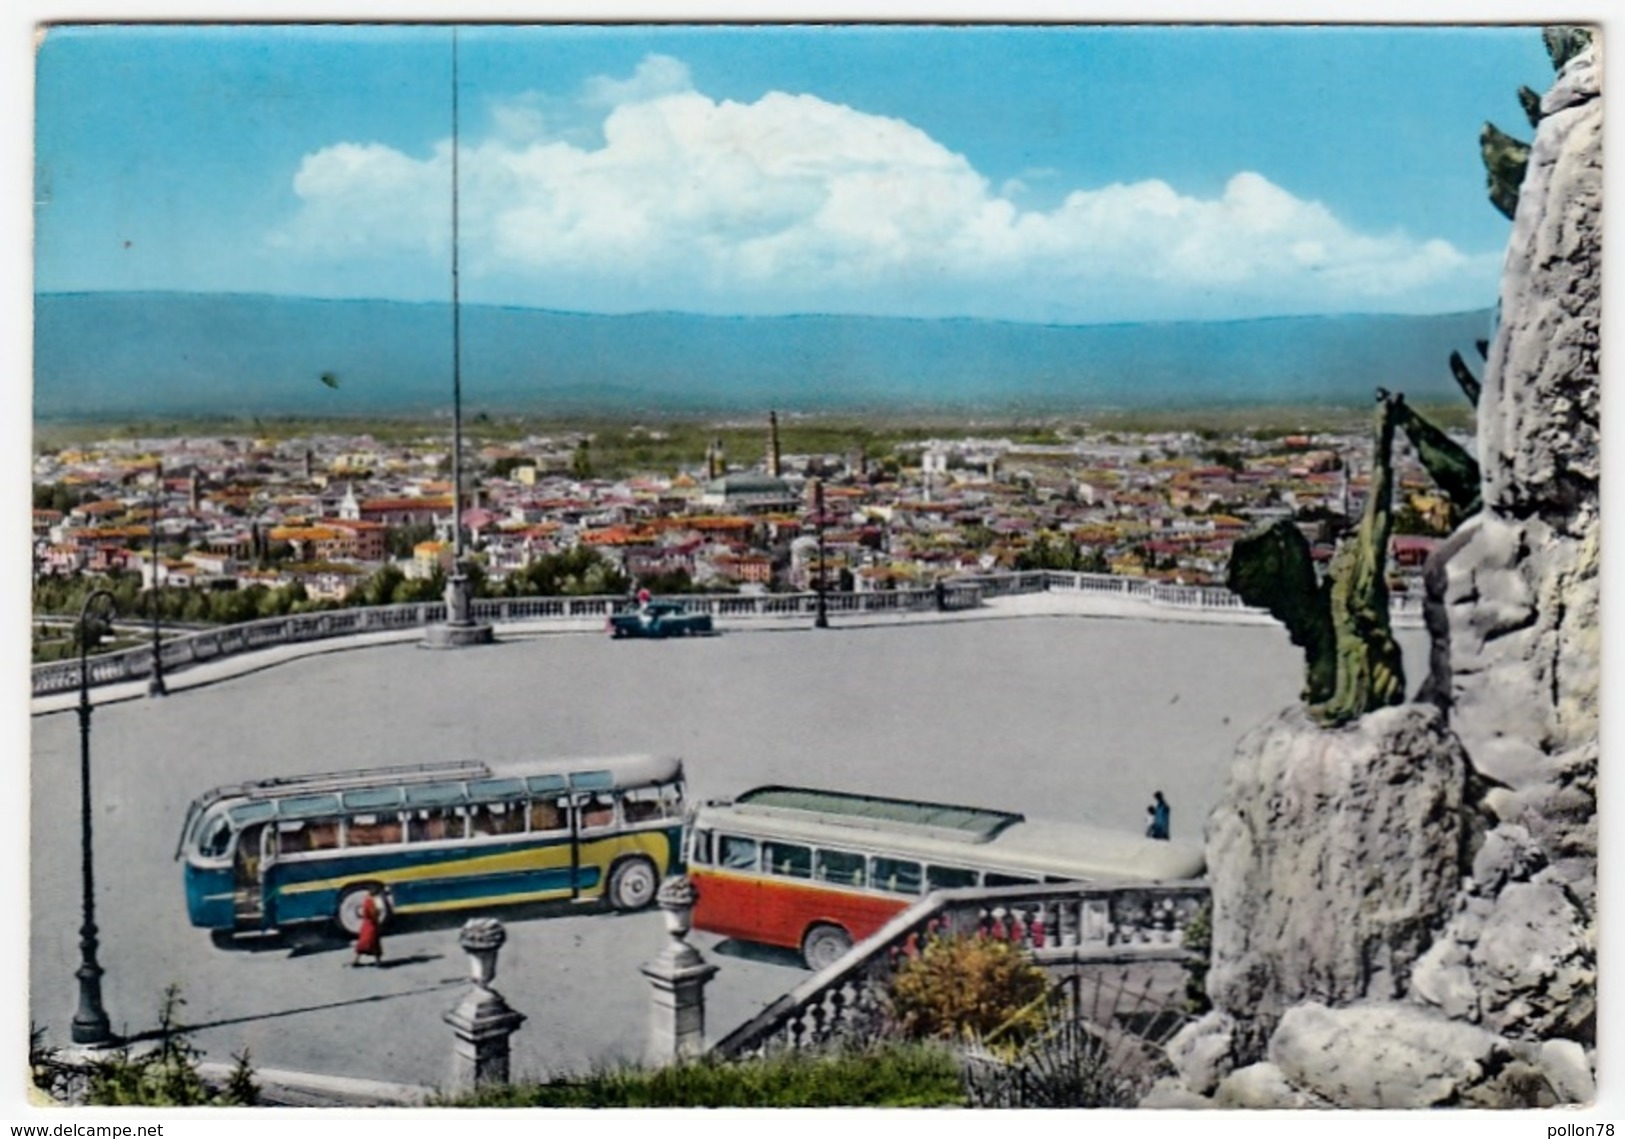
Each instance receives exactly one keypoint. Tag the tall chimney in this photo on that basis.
(773, 444)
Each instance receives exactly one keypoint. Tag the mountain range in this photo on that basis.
(105, 355)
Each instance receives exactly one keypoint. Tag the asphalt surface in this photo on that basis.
(1064, 718)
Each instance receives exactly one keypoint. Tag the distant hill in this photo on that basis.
(138, 354)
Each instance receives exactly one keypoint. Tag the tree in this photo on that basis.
(56, 496)
(1230, 460)
(402, 541)
(1093, 560)
(379, 589)
(668, 581)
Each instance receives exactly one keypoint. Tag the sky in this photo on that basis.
(1041, 173)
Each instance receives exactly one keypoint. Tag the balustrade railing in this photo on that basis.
(184, 648)
(1059, 924)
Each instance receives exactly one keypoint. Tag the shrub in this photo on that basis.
(165, 1077)
(897, 1075)
(969, 986)
(1199, 940)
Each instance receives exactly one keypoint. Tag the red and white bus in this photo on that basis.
(819, 870)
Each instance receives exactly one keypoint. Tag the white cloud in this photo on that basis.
(792, 203)
(657, 75)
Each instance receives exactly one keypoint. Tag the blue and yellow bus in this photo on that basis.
(440, 836)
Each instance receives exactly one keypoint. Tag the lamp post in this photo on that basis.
(821, 621)
(155, 687)
(90, 1023)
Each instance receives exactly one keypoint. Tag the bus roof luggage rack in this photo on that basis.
(845, 808)
(362, 777)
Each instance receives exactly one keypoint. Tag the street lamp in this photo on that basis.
(155, 687)
(822, 620)
(90, 1023)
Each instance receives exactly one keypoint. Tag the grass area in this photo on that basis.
(900, 1075)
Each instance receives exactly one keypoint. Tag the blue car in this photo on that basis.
(659, 619)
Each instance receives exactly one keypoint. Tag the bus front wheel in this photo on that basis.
(824, 945)
(633, 884)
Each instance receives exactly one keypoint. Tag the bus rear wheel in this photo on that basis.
(824, 945)
(347, 916)
(633, 884)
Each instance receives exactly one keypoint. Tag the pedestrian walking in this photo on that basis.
(1159, 817)
(369, 940)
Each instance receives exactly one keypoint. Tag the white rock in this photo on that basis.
(1262, 1086)
(1569, 1072)
(1382, 1055)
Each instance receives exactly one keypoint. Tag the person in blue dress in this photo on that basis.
(1160, 817)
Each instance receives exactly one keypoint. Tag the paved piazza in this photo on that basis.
(1059, 717)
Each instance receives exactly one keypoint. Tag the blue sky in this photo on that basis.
(1043, 173)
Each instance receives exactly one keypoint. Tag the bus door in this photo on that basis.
(592, 822)
(731, 894)
(553, 827)
(248, 876)
(592, 819)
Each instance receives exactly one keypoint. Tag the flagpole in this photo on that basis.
(459, 628)
(456, 332)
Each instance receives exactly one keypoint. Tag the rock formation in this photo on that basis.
(1404, 907)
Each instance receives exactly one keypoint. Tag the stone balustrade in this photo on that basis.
(184, 648)
(1060, 924)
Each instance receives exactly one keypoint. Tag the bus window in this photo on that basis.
(839, 867)
(372, 830)
(300, 836)
(434, 824)
(787, 859)
(496, 818)
(699, 850)
(597, 813)
(641, 804)
(548, 815)
(895, 874)
(992, 879)
(948, 878)
(735, 853)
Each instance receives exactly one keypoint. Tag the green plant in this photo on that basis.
(893, 1075)
(45, 1067)
(167, 1076)
(1198, 940)
(969, 986)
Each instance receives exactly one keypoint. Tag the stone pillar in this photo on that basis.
(482, 1020)
(460, 628)
(678, 977)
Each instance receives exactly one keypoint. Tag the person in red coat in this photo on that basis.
(369, 941)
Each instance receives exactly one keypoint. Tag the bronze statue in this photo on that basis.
(1452, 469)
(1353, 665)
